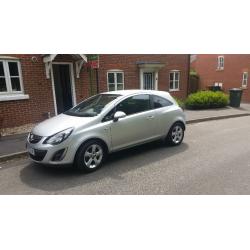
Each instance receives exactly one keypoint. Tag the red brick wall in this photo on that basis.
(127, 63)
(231, 76)
(39, 89)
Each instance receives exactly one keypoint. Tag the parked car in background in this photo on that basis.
(105, 123)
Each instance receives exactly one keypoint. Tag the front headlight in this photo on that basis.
(58, 137)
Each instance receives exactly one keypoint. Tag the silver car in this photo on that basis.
(104, 123)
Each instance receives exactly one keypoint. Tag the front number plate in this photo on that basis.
(31, 151)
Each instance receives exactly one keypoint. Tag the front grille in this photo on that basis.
(34, 138)
(39, 155)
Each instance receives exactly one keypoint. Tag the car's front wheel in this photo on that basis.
(176, 134)
(90, 156)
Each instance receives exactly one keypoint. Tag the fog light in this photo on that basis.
(59, 155)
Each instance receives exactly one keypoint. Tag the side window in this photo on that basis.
(134, 104)
(159, 102)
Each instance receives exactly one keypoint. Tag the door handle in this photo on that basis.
(150, 117)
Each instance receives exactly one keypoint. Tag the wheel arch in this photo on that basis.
(181, 122)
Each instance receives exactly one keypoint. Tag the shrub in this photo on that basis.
(206, 100)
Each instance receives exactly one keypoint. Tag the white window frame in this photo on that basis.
(220, 84)
(8, 78)
(244, 79)
(220, 62)
(176, 88)
(115, 71)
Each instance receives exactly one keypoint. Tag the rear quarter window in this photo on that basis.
(160, 102)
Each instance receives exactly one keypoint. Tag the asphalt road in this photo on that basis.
(213, 159)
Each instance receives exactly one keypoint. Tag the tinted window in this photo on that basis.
(159, 102)
(135, 104)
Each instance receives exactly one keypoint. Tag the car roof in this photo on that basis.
(136, 91)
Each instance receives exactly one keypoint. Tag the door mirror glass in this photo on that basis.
(118, 115)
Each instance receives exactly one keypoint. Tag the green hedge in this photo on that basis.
(206, 100)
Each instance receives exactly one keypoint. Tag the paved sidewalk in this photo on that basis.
(220, 113)
(14, 145)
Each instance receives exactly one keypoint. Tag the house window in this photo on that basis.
(220, 65)
(10, 77)
(218, 84)
(244, 79)
(115, 80)
(174, 80)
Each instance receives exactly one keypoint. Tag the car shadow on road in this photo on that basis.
(53, 179)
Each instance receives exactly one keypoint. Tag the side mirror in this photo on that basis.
(118, 115)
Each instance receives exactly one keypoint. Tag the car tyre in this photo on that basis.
(175, 135)
(90, 156)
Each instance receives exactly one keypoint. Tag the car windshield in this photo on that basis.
(92, 106)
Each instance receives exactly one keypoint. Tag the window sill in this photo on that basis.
(173, 90)
(4, 98)
(219, 69)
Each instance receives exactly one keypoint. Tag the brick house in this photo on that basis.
(227, 71)
(35, 87)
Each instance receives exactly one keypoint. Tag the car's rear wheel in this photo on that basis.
(90, 156)
(176, 134)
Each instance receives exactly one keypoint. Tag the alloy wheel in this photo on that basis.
(177, 134)
(93, 156)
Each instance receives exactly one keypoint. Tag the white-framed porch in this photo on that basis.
(72, 83)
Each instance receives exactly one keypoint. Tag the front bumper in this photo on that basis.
(50, 154)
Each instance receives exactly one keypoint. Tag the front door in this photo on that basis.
(138, 126)
(62, 83)
(148, 80)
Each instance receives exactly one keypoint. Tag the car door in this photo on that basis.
(164, 114)
(138, 125)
